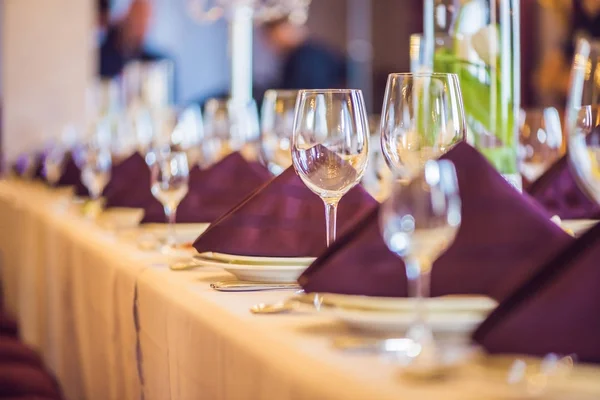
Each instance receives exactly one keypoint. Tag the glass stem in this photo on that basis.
(171, 213)
(331, 220)
(419, 284)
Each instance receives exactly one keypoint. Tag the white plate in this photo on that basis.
(258, 273)
(255, 260)
(398, 322)
(578, 226)
(121, 217)
(452, 303)
(184, 232)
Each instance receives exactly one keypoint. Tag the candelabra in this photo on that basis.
(240, 15)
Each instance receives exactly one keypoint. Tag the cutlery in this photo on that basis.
(289, 304)
(184, 266)
(238, 286)
(372, 345)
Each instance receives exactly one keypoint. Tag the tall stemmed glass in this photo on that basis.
(583, 117)
(169, 178)
(277, 124)
(330, 145)
(418, 223)
(422, 118)
(94, 159)
(53, 164)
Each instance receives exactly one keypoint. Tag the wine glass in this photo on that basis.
(277, 123)
(188, 133)
(53, 164)
(583, 117)
(418, 223)
(540, 141)
(330, 145)
(94, 159)
(422, 118)
(169, 179)
(229, 125)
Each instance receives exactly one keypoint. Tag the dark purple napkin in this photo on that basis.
(504, 235)
(129, 184)
(282, 219)
(214, 191)
(558, 192)
(71, 176)
(556, 311)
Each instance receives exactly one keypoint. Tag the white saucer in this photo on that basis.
(257, 260)
(257, 273)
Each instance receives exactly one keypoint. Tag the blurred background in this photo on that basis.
(51, 50)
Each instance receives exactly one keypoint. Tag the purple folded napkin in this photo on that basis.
(129, 184)
(71, 176)
(556, 311)
(282, 219)
(558, 192)
(503, 236)
(214, 191)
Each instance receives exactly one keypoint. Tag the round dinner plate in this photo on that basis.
(398, 322)
(578, 226)
(257, 273)
(450, 303)
(256, 260)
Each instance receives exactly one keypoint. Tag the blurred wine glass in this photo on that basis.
(540, 141)
(53, 164)
(583, 117)
(277, 123)
(330, 145)
(169, 179)
(422, 118)
(230, 126)
(94, 159)
(188, 133)
(418, 223)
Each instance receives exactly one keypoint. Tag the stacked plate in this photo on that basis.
(258, 269)
(391, 315)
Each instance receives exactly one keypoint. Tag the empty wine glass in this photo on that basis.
(169, 179)
(583, 117)
(189, 132)
(422, 118)
(94, 159)
(230, 126)
(330, 145)
(418, 223)
(53, 164)
(277, 124)
(540, 141)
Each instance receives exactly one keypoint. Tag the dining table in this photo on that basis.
(112, 320)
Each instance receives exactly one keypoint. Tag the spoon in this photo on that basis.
(289, 304)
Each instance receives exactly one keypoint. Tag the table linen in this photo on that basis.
(113, 322)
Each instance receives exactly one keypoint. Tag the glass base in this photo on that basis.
(515, 180)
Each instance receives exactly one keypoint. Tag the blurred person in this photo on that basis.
(124, 40)
(574, 19)
(306, 63)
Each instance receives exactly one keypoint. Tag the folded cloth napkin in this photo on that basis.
(503, 236)
(558, 192)
(129, 184)
(556, 311)
(212, 192)
(71, 176)
(282, 219)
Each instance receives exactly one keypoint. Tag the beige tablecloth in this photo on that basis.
(113, 322)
